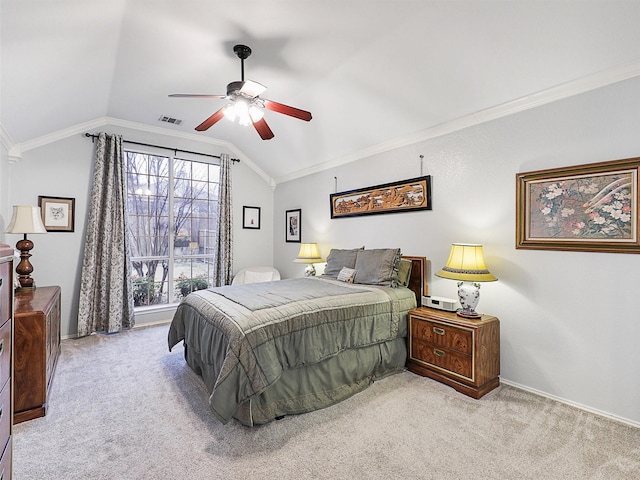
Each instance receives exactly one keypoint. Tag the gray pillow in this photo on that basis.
(338, 259)
(378, 266)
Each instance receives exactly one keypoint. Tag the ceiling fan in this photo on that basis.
(246, 105)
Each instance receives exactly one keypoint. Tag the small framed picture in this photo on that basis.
(293, 226)
(251, 217)
(58, 213)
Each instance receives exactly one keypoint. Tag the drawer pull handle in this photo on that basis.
(0, 286)
(1, 410)
(1, 352)
(439, 353)
(439, 331)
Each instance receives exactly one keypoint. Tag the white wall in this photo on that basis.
(4, 190)
(570, 327)
(64, 169)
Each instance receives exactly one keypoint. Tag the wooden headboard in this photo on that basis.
(418, 277)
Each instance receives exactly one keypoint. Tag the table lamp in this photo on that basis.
(310, 254)
(466, 264)
(26, 219)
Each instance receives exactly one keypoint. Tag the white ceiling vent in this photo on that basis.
(164, 118)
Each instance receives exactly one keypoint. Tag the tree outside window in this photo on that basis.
(172, 211)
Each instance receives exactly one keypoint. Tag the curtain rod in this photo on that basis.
(175, 150)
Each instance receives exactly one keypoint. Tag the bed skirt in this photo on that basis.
(316, 386)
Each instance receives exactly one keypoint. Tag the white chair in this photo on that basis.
(255, 275)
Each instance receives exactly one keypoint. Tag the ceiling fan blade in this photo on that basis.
(252, 89)
(209, 122)
(263, 129)
(287, 110)
(195, 95)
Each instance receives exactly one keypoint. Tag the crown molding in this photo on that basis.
(5, 139)
(544, 97)
(81, 128)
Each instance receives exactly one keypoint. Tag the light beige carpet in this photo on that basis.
(123, 407)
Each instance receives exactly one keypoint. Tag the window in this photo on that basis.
(172, 208)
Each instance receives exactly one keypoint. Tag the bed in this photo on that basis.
(271, 349)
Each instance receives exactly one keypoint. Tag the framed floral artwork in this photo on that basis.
(591, 207)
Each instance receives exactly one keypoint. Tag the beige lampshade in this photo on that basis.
(26, 219)
(466, 263)
(309, 253)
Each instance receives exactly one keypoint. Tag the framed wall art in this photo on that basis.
(251, 217)
(293, 226)
(591, 207)
(58, 213)
(405, 196)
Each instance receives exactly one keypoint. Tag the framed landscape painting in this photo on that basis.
(591, 207)
(404, 196)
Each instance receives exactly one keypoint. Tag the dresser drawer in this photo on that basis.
(453, 337)
(5, 352)
(5, 463)
(459, 364)
(5, 291)
(5, 415)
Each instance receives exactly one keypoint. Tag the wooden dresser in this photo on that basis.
(463, 353)
(6, 341)
(37, 347)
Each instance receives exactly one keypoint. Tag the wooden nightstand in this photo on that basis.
(37, 347)
(460, 352)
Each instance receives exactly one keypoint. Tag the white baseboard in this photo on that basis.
(151, 324)
(139, 324)
(571, 403)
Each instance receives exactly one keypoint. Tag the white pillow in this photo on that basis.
(347, 275)
(257, 277)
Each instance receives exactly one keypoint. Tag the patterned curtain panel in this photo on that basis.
(106, 293)
(224, 244)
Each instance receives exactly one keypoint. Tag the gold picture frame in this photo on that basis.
(591, 208)
(404, 196)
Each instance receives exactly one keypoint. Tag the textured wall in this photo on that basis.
(568, 329)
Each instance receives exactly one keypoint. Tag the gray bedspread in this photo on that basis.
(249, 335)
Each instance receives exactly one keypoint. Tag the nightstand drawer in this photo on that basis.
(448, 336)
(455, 362)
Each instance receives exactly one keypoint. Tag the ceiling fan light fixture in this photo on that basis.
(243, 113)
(255, 113)
(246, 107)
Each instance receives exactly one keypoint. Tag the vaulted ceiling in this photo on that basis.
(371, 72)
